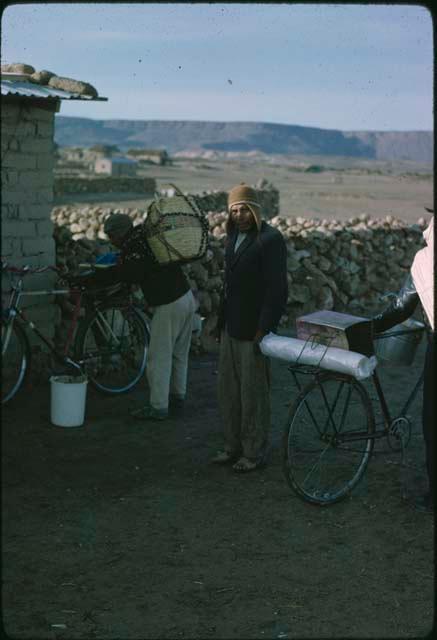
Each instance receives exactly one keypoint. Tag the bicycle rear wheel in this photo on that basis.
(327, 441)
(15, 359)
(112, 345)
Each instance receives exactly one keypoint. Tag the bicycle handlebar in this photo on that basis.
(27, 268)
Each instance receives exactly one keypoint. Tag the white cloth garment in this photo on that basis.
(167, 359)
(306, 352)
(422, 271)
(240, 238)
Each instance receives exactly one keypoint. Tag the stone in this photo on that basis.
(73, 86)
(41, 77)
(17, 67)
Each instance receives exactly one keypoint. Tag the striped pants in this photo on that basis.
(244, 397)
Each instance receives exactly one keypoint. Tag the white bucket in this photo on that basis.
(68, 397)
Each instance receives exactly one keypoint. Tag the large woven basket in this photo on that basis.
(176, 229)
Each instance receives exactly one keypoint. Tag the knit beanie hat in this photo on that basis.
(243, 194)
(118, 223)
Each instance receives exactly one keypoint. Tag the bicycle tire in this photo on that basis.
(116, 365)
(16, 361)
(327, 441)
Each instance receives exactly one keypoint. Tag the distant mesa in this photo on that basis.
(152, 137)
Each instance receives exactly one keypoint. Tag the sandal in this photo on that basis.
(244, 465)
(224, 457)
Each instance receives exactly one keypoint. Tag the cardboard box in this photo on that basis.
(340, 330)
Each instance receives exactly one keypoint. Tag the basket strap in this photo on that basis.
(193, 205)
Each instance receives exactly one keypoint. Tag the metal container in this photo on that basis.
(397, 346)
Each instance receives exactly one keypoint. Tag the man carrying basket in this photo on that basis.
(170, 299)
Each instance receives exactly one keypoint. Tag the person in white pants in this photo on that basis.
(169, 297)
(167, 360)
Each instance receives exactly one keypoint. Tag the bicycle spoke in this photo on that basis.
(326, 449)
(113, 346)
(15, 359)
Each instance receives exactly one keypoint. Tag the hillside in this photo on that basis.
(175, 135)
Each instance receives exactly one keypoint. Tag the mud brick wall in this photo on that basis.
(106, 184)
(27, 192)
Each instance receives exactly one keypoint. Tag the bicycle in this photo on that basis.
(331, 430)
(107, 340)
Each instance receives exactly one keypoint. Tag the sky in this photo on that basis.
(350, 67)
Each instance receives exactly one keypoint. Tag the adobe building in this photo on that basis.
(115, 166)
(153, 156)
(30, 101)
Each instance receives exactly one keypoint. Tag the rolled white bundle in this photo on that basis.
(294, 350)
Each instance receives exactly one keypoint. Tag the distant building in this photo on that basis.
(155, 156)
(115, 166)
(104, 150)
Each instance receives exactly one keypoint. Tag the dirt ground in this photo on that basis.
(121, 529)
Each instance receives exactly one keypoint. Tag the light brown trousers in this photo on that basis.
(244, 397)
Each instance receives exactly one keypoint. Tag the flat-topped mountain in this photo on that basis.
(186, 135)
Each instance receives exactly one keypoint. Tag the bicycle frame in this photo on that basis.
(14, 311)
(316, 372)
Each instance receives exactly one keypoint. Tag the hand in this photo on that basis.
(216, 333)
(259, 335)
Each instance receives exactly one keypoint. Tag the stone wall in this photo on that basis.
(106, 184)
(267, 194)
(27, 128)
(342, 266)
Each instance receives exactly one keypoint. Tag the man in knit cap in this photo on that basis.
(253, 300)
(170, 299)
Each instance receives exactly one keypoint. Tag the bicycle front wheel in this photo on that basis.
(15, 359)
(112, 345)
(327, 441)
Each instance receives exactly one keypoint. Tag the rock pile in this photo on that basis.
(331, 265)
(102, 184)
(47, 78)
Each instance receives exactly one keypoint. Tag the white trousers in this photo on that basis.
(170, 339)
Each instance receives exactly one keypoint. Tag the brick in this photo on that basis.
(18, 228)
(36, 113)
(21, 130)
(10, 212)
(14, 144)
(44, 129)
(44, 196)
(44, 228)
(10, 115)
(30, 246)
(10, 246)
(24, 197)
(16, 160)
(45, 161)
(36, 145)
(35, 179)
(36, 212)
(9, 178)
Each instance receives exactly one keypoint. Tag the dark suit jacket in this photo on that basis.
(255, 288)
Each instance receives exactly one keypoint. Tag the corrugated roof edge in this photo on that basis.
(32, 90)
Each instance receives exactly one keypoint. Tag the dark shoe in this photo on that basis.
(148, 413)
(176, 402)
(176, 405)
(425, 504)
